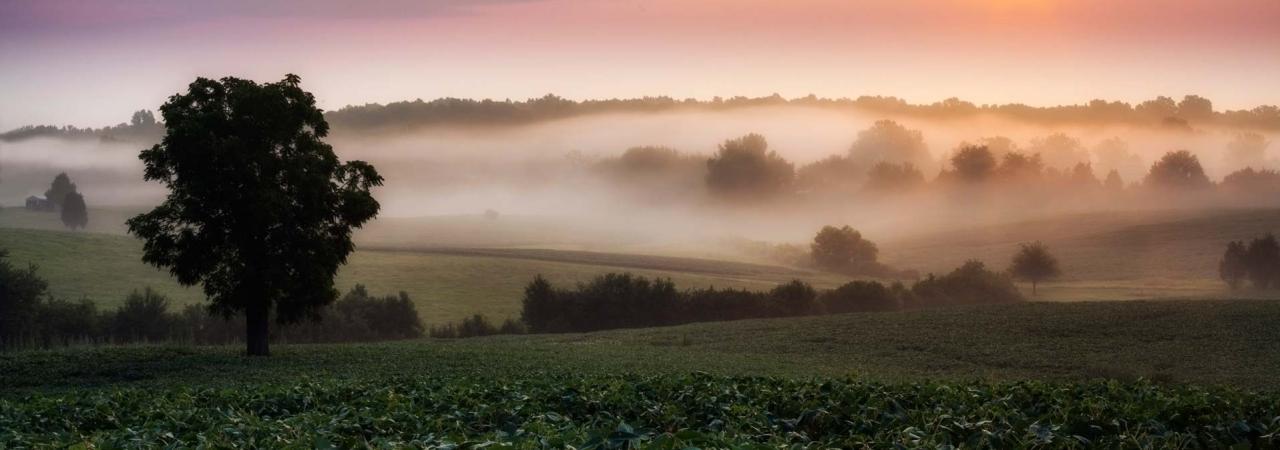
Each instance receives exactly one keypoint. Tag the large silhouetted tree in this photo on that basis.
(260, 211)
(75, 214)
(1034, 263)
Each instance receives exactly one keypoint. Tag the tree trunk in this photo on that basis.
(257, 319)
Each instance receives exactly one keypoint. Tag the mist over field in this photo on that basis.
(551, 182)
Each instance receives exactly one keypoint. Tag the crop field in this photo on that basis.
(1056, 375)
(667, 412)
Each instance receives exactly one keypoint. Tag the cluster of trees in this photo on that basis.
(623, 300)
(891, 159)
(1258, 263)
(30, 317)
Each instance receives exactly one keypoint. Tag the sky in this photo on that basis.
(91, 63)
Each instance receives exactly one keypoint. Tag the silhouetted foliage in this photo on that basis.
(973, 164)
(59, 189)
(75, 214)
(260, 210)
(1263, 260)
(887, 141)
(843, 250)
(745, 169)
(627, 301)
(1018, 167)
(1177, 170)
(1249, 183)
(971, 283)
(1113, 183)
(1234, 266)
(863, 296)
(145, 317)
(1034, 263)
(20, 294)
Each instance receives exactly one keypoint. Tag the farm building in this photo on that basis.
(39, 204)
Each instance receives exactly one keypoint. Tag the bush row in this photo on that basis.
(146, 317)
(623, 300)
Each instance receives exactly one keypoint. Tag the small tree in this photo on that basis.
(842, 249)
(1034, 263)
(1234, 267)
(260, 210)
(1177, 170)
(973, 164)
(20, 294)
(75, 214)
(1263, 260)
(59, 189)
(745, 169)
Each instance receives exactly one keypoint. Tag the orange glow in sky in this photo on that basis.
(91, 63)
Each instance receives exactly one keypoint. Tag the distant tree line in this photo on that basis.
(32, 318)
(142, 126)
(624, 300)
(1159, 112)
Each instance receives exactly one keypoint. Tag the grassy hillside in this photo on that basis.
(1156, 245)
(1206, 342)
(446, 285)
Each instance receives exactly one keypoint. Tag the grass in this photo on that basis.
(1202, 342)
(445, 284)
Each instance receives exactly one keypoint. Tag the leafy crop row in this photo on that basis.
(666, 411)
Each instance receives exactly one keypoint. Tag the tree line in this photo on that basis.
(624, 300)
(1164, 112)
(32, 318)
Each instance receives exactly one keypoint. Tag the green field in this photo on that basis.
(1105, 256)
(1132, 374)
(445, 284)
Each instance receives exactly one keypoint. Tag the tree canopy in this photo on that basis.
(1034, 263)
(75, 214)
(260, 210)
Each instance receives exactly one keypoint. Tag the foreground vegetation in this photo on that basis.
(671, 411)
(1027, 374)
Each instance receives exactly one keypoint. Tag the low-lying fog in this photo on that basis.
(544, 184)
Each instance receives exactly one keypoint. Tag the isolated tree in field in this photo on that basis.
(260, 211)
(59, 189)
(1034, 263)
(842, 249)
(1177, 170)
(745, 169)
(1234, 266)
(75, 214)
(1263, 259)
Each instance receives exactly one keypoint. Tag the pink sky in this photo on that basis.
(91, 63)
